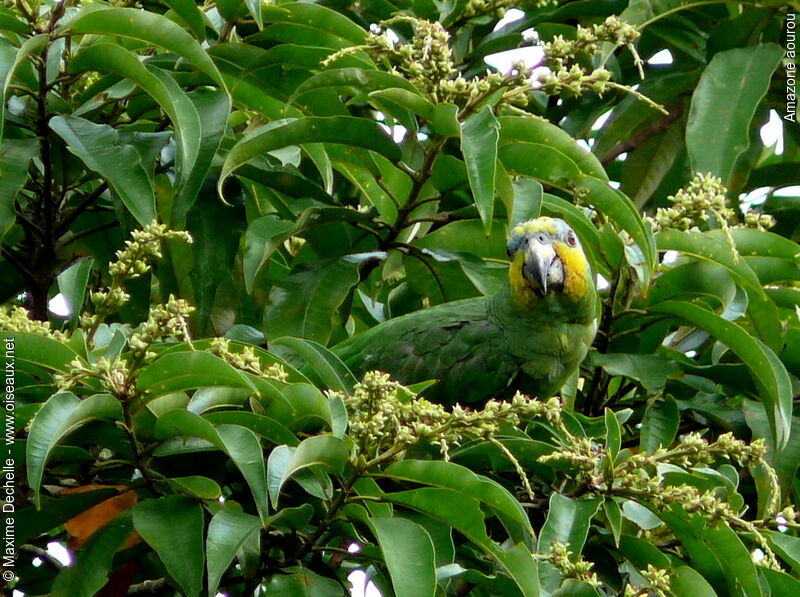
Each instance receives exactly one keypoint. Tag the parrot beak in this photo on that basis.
(542, 267)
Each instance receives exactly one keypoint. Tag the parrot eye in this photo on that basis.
(541, 238)
(571, 240)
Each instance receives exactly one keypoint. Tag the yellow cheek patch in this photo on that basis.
(520, 289)
(576, 269)
(542, 224)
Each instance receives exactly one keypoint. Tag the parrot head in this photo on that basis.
(547, 259)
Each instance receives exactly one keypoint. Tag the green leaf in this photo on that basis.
(539, 130)
(300, 582)
(613, 435)
(479, 134)
(358, 79)
(779, 582)
(767, 371)
(346, 130)
(91, 569)
(190, 13)
(213, 107)
(10, 61)
(160, 86)
(72, 285)
(31, 522)
(40, 351)
(710, 247)
(687, 581)
(541, 162)
(449, 475)
(180, 371)
(528, 196)
(196, 486)
(61, 414)
(264, 236)
(649, 369)
(228, 530)
(723, 106)
(320, 450)
(15, 155)
(173, 527)
(244, 448)
(408, 553)
(304, 303)
(619, 208)
(659, 425)
(330, 369)
(148, 27)
(239, 443)
(99, 147)
(568, 522)
(316, 17)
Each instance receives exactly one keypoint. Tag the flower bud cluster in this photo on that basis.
(427, 62)
(693, 205)
(17, 319)
(164, 321)
(247, 360)
(658, 584)
(567, 78)
(132, 261)
(498, 8)
(386, 416)
(758, 221)
(114, 375)
(570, 566)
(704, 197)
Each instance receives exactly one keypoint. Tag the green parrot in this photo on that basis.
(530, 336)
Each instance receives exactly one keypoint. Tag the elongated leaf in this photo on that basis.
(244, 448)
(359, 79)
(316, 16)
(539, 130)
(227, 532)
(156, 83)
(458, 478)
(10, 60)
(321, 450)
(173, 527)
(179, 371)
(92, 567)
(61, 414)
(711, 247)
(300, 582)
(148, 27)
(619, 208)
(568, 522)
(72, 284)
(479, 134)
(723, 105)
(41, 351)
(687, 581)
(408, 553)
(659, 425)
(767, 371)
(15, 155)
(99, 147)
(336, 129)
(330, 369)
(189, 12)
(304, 303)
(541, 162)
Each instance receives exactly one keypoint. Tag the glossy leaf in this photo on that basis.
(717, 131)
(173, 527)
(408, 552)
(767, 371)
(179, 371)
(160, 86)
(147, 27)
(479, 134)
(100, 148)
(61, 414)
(227, 532)
(338, 129)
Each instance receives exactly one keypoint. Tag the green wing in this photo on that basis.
(455, 343)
